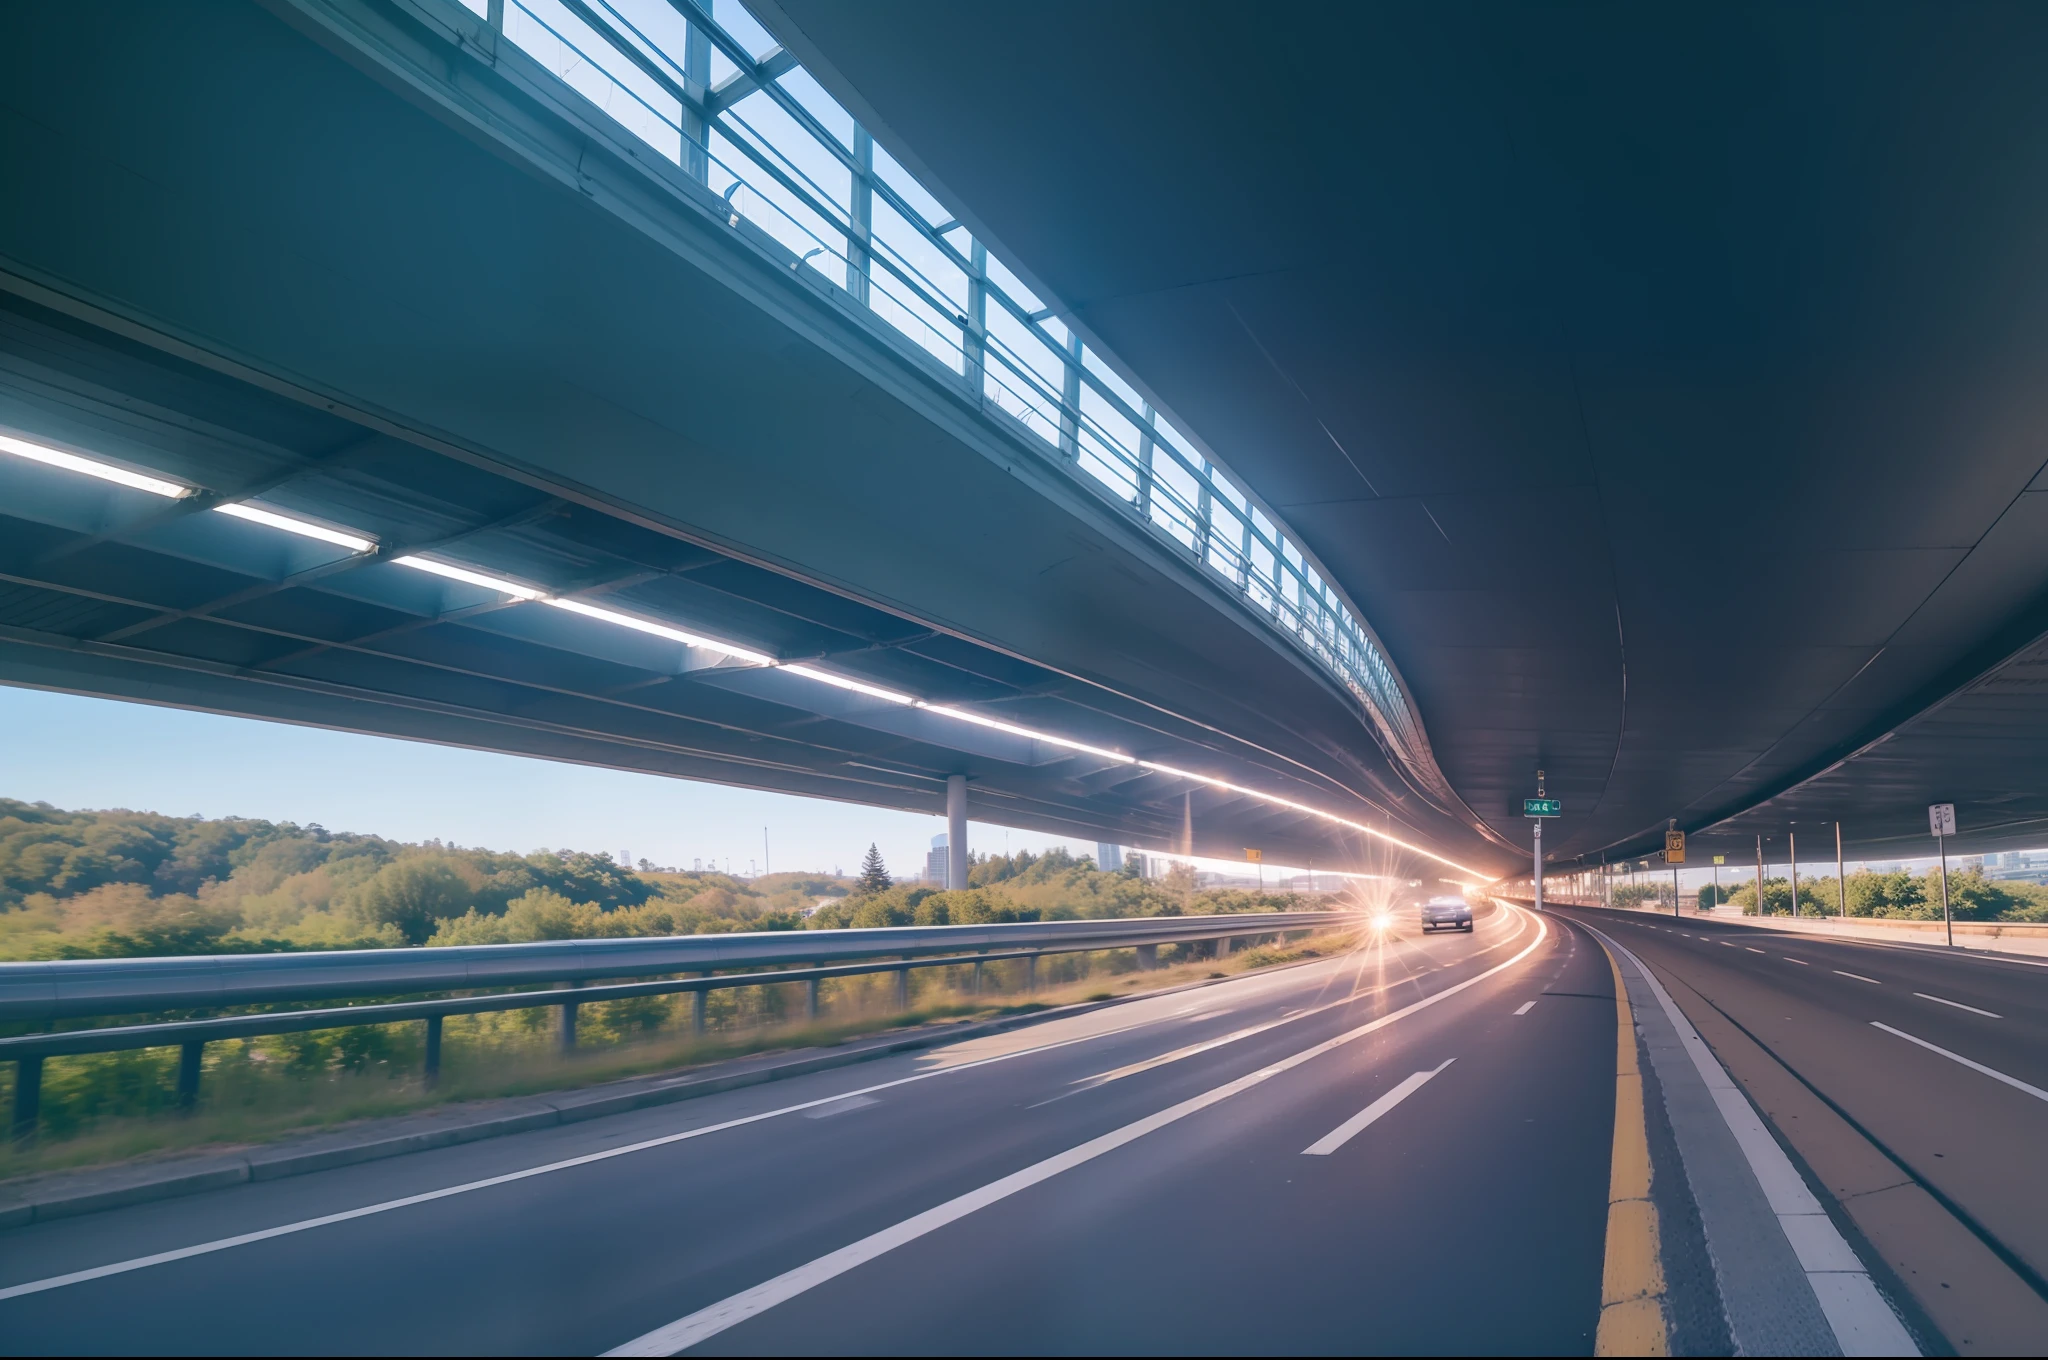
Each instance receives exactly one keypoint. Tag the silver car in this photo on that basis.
(1454, 912)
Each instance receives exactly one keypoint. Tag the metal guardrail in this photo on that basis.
(86, 988)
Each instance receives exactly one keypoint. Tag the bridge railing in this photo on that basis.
(50, 993)
(789, 170)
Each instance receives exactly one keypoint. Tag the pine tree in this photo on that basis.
(874, 875)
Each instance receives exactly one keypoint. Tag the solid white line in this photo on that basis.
(1082, 1085)
(1355, 1125)
(709, 1321)
(1863, 1323)
(386, 1206)
(1989, 1015)
(1523, 1009)
(1991, 1072)
(1858, 976)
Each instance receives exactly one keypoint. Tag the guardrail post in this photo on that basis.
(565, 1032)
(1223, 947)
(28, 1098)
(1148, 957)
(430, 1074)
(1031, 973)
(977, 977)
(188, 1074)
(810, 999)
(697, 1013)
(902, 989)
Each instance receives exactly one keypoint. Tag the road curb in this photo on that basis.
(69, 1194)
(1632, 1304)
(1852, 1312)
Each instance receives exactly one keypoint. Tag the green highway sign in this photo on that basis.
(1542, 807)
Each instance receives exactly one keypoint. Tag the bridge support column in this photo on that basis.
(1148, 957)
(956, 831)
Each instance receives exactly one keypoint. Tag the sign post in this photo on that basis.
(1258, 857)
(1719, 860)
(1674, 855)
(1536, 809)
(1941, 820)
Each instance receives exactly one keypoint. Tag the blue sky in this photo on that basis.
(78, 752)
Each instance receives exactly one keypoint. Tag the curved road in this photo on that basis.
(1139, 1178)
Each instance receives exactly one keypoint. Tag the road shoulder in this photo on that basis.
(1763, 1227)
(1929, 1260)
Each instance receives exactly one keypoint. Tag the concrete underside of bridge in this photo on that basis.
(1665, 383)
(263, 255)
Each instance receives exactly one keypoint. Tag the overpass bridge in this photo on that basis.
(817, 501)
(1174, 424)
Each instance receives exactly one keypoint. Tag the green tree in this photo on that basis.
(874, 875)
(413, 894)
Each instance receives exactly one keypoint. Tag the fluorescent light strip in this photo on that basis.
(303, 528)
(106, 472)
(1305, 809)
(660, 630)
(468, 577)
(157, 486)
(963, 716)
(841, 682)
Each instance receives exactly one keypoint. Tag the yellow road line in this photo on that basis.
(1632, 1280)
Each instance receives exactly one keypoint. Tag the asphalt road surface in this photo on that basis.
(1938, 1057)
(1394, 1151)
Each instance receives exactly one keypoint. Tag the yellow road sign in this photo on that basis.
(1720, 859)
(1674, 847)
(1254, 856)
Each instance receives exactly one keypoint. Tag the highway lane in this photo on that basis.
(1838, 1014)
(1216, 1232)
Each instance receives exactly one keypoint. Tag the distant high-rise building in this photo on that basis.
(1108, 858)
(935, 861)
